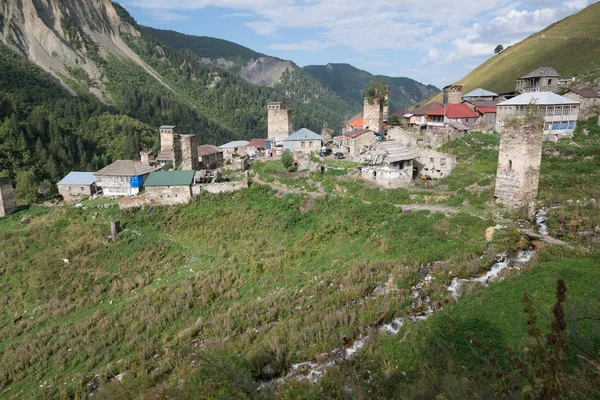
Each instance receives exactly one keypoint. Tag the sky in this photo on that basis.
(432, 41)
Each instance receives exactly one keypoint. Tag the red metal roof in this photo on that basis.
(258, 143)
(590, 94)
(424, 110)
(454, 111)
(207, 150)
(486, 110)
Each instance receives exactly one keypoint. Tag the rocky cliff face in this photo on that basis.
(265, 71)
(63, 35)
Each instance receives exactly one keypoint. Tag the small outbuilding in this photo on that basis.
(123, 177)
(389, 164)
(355, 142)
(231, 149)
(77, 186)
(8, 202)
(170, 187)
(209, 157)
(303, 142)
(589, 101)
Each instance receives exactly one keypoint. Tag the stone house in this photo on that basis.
(434, 164)
(486, 109)
(123, 177)
(235, 148)
(209, 157)
(303, 142)
(418, 116)
(389, 164)
(169, 187)
(357, 141)
(256, 146)
(77, 186)
(461, 112)
(519, 160)
(558, 113)
(8, 201)
(589, 102)
(480, 94)
(543, 79)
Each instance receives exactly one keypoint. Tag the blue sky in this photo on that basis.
(432, 41)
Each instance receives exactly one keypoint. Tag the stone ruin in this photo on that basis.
(519, 162)
(8, 202)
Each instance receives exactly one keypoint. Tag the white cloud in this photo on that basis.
(162, 15)
(236, 15)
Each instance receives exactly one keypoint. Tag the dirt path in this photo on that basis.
(428, 207)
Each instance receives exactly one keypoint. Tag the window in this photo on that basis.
(509, 164)
(310, 144)
(442, 161)
(303, 144)
(431, 160)
(549, 81)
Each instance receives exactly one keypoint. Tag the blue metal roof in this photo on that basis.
(303, 134)
(78, 178)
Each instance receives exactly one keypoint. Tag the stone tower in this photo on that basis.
(170, 144)
(279, 120)
(8, 203)
(373, 116)
(452, 94)
(386, 108)
(519, 162)
(189, 152)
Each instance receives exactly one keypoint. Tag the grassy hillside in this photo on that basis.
(349, 82)
(217, 296)
(571, 46)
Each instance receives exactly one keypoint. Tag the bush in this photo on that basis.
(287, 159)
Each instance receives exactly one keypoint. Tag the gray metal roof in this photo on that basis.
(234, 144)
(303, 134)
(537, 98)
(479, 92)
(78, 178)
(541, 72)
(126, 168)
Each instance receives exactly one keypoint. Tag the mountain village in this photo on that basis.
(389, 156)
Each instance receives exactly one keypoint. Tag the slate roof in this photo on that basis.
(303, 134)
(538, 98)
(459, 126)
(479, 92)
(207, 150)
(590, 94)
(541, 72)
(455, 111)
(357, 133)
(258, 143)
(485, 103)
(126, 168)
(166, 155)
(388, 152)
(78, 178)
(234, 144)
(170, 178)
(167, 127)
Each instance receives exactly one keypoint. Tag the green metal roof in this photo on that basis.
(170, 178)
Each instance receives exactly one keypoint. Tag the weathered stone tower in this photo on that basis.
(279, 120)
(189, 152)
(452, 94)
(8, 203)
(147, 157)
(170, 145)
(386, 107)
(373, 116)
(519, 162)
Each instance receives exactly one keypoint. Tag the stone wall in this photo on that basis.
(279, 120)
(75, 193)
(588, 107)
(435, 164)
(8, 201)
(452, 94)
(310, 146)
(168, 195)
(402, 136)
(221, 187)
(519, 161)
(189, 152)
(389, 176)
(360, 143)
(373, 116)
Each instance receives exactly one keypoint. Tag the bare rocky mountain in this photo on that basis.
(49, 32)
(265, 71)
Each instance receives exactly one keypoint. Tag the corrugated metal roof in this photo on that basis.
(423, 110)
(303, 134)
(78, 178)
(207, 150)
(540, 72)
(537, 98)
(258, 143)
(126, 168)
(234, 144)
(170, 178)
(455, 111)
(479, 92)
(590, 94)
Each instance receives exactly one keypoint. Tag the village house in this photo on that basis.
(389, 164)
(559, 114)
(440, 117)
(418, 116)
(480, 94)
(234, 149)
(354, 143)
(77, 185)
(169, 187)
(256, 146)
(209, 157)
(8, 201)
(589, 102)
(303, 142)
(123, 177)
(486, 109)
(543, 79)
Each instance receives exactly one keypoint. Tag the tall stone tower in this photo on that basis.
(279, 120)
(8, 203)
(386, 107)
(189, 152)
(373, 116)
(452, 94)
(519, 162)
(170, 145)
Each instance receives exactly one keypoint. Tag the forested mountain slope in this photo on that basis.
(348, 82)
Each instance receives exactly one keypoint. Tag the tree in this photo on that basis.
(287, 159)
(26, 190)
(499, 49)
(394, 120)
(377, 91)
